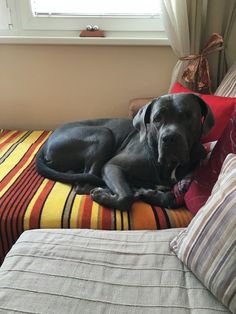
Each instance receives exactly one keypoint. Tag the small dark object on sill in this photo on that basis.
(92, 33)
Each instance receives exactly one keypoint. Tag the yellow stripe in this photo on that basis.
(94, 216)
(32, 203)
(118, 220)
(125, 221)
(54, 205)
(75, 211)
(6, 136)
(11, 143)
(15, 157)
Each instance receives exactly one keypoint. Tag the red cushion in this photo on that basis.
(206, 176)
(222, 108)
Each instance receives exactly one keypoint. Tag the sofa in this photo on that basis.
(55, 263)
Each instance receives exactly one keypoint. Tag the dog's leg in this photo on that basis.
(157, 198)
(121, 195)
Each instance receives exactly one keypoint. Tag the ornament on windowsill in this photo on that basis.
(197, 71)
(92, 31)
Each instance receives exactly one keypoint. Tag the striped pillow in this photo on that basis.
(227, 87)
(208, 245)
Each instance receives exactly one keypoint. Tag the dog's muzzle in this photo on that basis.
(173, 149)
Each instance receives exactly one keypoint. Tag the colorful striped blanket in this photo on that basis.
(29, 201)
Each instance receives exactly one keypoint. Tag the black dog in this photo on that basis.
(118, 161)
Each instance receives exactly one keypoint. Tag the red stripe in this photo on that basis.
(161, 217)
(7, 198)
(1, 251)
(18, 187)
(14, 224)
(32, 189)
(21, 163)
(4, 132)
(106, 218)
(87, 211)
(34, 221)
(9, 203)
(8, 140)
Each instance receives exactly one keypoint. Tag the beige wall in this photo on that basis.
(42, 86)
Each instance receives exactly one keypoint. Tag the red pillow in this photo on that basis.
(206, 176)
(222, 108)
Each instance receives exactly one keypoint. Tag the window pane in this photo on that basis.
(95, 7)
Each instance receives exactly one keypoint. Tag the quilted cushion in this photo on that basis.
(29, 201)
(222, 108)
(95, 271)
(208, 245)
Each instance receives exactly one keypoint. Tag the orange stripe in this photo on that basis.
(182, 214)
(172, 218)
(142, 217)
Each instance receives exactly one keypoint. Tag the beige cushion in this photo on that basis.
(91, 271)
(208, 245)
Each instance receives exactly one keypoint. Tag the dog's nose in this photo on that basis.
(169, 138)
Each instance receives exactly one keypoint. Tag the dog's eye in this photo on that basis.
(157, 118)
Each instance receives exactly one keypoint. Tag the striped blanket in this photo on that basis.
(29, 201)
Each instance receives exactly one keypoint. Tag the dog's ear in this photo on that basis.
(142, 118)
(208, 116)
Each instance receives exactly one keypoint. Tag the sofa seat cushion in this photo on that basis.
(29, 201)
(95, 271)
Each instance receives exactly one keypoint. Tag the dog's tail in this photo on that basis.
(64, 177)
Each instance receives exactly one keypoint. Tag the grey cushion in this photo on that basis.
(89, 271)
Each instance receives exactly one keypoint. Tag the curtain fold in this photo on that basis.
(175, 19)
(190, 23)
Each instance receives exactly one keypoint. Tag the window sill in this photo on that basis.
(112, 41)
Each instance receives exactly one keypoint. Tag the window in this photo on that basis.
(66, 18)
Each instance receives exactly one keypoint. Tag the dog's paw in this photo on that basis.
(106, 198)
(101, 195)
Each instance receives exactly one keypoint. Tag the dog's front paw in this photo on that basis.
(106, 198)
(102, 196)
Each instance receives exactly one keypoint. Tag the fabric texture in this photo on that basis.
(208, 246)
(207, 174)
(222, 108)
(29, 201)
(93, 271)
(227, 87)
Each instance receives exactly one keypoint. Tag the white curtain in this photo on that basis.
(175, 19)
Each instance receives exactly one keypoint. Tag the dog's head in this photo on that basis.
(173, 124)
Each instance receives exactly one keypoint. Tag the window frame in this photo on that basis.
(123, 30)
